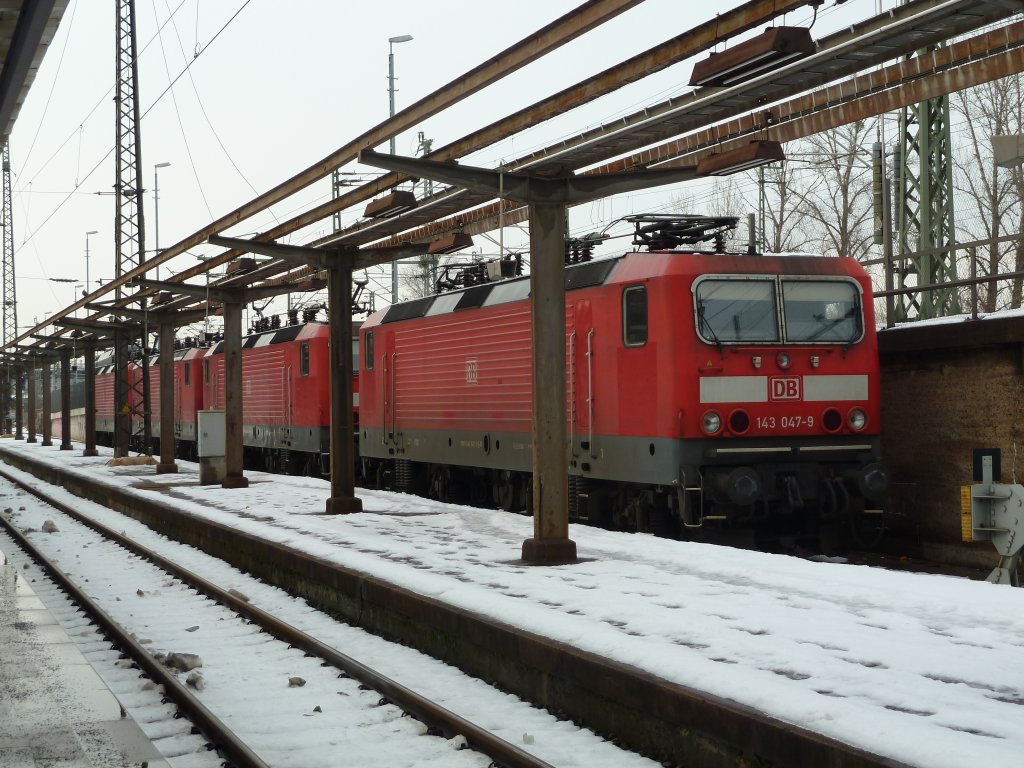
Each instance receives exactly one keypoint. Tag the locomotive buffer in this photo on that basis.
(994, 512)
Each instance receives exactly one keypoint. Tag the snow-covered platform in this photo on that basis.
(54, 709)
(908, 669)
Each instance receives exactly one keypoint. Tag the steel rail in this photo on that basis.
(211, 725)
(431, 714)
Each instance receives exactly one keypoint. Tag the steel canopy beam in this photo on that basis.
(219, 295)
(530, 189)
(953, 67)
(748, 16)
(175, 317)
(844, 53)
(294, 254)
(105, 327)
(568, 27)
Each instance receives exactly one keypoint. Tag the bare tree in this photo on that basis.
(988, 110)
(784, 226)
(839, 202)
(421, 276)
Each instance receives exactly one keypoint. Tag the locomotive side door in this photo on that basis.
(386, 355)
(581, 382)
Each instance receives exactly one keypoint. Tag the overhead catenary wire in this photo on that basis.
(156, 101)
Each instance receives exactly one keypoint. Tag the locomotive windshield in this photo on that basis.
(745, 310)
(821, 311)
(737, 310)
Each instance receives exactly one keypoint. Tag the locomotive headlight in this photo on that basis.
(712, 423)
(857, 419)
(783, 360)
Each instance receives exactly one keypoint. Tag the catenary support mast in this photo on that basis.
(131, 397)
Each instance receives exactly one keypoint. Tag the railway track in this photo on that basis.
(251, 711)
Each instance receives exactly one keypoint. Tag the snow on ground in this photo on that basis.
(920, 668)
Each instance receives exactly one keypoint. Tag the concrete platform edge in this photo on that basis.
(662, 720)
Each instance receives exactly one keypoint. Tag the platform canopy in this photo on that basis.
(27, 28)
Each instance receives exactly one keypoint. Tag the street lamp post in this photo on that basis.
(156, 211)
(391, 76)
(391, 103)
(87, 286)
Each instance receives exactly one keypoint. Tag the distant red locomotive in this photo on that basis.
(285, 397)
(704, 390)
(285, 405)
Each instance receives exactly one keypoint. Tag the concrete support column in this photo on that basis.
(550, 542)
(65, 399)
(339, 298)
(233, 450)
(90, 399)
(47, 404)
(167, 441)
(31, 404)
(19, 407)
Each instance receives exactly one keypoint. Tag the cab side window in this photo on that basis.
(368, 350)
(634, 316)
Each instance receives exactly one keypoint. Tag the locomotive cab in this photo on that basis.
(789, 397)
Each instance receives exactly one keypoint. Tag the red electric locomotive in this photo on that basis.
(105, 398)
(705, 390)
(188, 398)
(285, 397)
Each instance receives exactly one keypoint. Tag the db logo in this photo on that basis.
(784, 388)
(471, 371)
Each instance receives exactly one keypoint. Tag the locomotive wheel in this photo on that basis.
(440, 483)
(526, 495)
(507, 491)
(866, 530)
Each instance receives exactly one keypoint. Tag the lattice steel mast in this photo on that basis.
(129, 230)
(10, 310)
(924, 207)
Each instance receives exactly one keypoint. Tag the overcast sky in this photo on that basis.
(273, 88)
